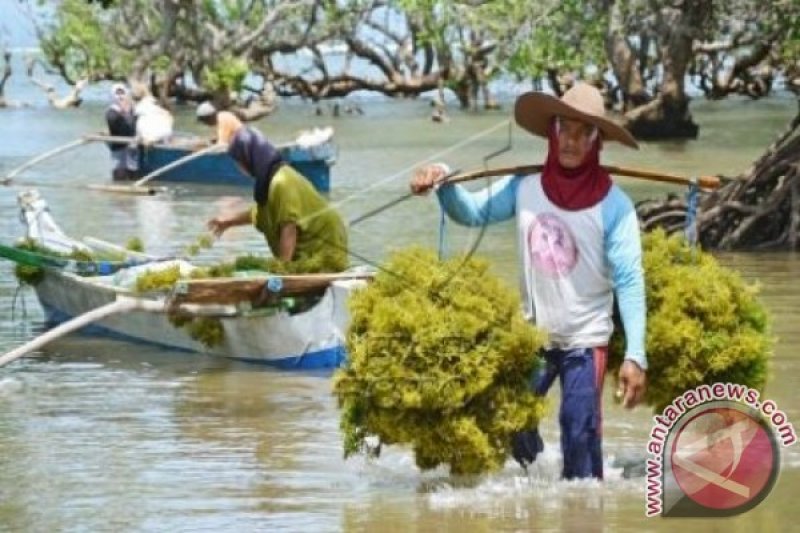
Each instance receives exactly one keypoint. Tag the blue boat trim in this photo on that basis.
(313, 163)
(332, 357)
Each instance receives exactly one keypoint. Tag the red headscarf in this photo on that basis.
(577, 188)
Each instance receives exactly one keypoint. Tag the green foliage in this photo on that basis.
(77, 40)
(220, 41)
(225, 75)
(790, 46)
(568, 38)
(704, 323)
(439, 358)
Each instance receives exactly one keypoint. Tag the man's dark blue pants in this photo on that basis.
(581, 372)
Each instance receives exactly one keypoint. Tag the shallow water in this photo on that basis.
(104, 435)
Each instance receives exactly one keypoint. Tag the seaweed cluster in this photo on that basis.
(32, 275)
(439, 359)
(157, 280)
(318, 263)
(704, 323)
(203, 242)
(28, 275)
(134, 244)
(209, 331)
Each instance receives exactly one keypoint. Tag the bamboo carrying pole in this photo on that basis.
(120, 305)
(704, 182)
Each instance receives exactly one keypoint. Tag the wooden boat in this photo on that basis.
(313, 338)
(312, 155)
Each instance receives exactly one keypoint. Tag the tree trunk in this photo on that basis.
(623, 60)
(4, 76)
(463, 91)
(668, 117)
(72, 99)
(759, 209)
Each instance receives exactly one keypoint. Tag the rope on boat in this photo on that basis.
(692, 196)
(19, 295)
(442, 227)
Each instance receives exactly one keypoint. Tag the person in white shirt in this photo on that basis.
(153, 122)
(579, 248)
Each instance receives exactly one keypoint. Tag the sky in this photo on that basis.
(16, 29)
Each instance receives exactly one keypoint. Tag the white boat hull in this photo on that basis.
(307, 340)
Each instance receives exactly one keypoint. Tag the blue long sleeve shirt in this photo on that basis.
(573, 262)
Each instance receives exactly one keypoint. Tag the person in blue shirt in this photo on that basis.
(121, 122)
(579, 248)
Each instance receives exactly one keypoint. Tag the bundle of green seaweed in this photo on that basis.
(439, 359)
(704, 323)
(209, 331)
(32, 275)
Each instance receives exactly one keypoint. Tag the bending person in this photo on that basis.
(295, 219)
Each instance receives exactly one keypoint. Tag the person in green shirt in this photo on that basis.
(299, 225)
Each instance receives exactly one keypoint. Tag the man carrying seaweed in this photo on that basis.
(579, 247)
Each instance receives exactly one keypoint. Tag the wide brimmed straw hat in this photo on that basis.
(534, 111)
